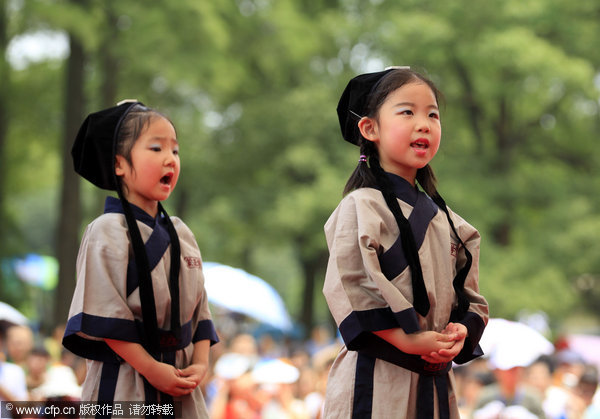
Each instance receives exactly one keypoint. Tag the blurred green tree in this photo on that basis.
(252, 88)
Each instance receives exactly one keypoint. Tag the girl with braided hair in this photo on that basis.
(402, 276)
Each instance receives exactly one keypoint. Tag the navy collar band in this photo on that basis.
(113, 204)
(403, 189)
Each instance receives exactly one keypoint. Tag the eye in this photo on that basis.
(155, 148)
(405, 111)
(176, 151)
(434, 115)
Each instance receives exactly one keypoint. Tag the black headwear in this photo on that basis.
(351, 106)
(94, 153)
(94, 149)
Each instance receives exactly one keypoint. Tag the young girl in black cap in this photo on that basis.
(139, 312)
(402, 277)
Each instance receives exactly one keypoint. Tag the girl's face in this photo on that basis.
(155, 166)
(406, 130)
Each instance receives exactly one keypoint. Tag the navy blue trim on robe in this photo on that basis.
(376, 347)
(362, 402)
(471, 349)
(358, 323)
(425, 397)
(107, 387)
(114, 205)
(125, 330)
(156, 245)
(431, 376)
(393, 261)
(205, 330)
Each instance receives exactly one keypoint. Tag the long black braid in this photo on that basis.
(427, 180)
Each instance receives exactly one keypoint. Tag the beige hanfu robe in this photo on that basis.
(106, 304)
(368, 288)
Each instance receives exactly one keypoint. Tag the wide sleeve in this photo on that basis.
(477, 316)
(204, 328)
(361, 299)
(99, 308)
(193, 285)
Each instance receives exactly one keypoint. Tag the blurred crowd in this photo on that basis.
(266, 375)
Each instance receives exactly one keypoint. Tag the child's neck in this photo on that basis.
(148, 206)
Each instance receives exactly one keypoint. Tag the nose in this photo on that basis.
(422, 124)
(171, 158)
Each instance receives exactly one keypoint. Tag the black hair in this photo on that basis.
(134, 123)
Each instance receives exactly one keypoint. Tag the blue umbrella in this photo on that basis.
(38, 270)
(238, 291)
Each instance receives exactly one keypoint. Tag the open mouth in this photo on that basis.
(166, 179)
(422, 144)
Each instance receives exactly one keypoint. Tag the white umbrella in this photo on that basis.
(238, 291)
(275, 371)
(10, 316)
(510, 344)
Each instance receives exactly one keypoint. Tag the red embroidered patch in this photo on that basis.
(435, 367)
(453, 249)
(193, 262)
(167, 340)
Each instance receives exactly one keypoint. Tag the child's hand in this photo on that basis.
(458, 332)
(429, 341)
(419, 343)
(194, 373)
(166, 378)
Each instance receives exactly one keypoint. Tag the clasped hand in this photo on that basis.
(451, 340)
(176, 382)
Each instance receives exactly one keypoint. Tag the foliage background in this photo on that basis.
(252, 87)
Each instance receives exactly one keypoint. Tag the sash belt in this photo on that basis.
(425, 397)
(430, 376)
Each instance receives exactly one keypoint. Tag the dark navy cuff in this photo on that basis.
(101, 328)
(471, 349)
(358, 323)
(206, 330)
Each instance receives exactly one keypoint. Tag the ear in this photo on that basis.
(368, 128)
(120, 165)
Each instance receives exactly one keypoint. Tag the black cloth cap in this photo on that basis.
(94, 148)
(351, 106)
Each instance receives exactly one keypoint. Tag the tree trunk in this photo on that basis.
(312, 266)
(501, 232)
(109, 71)
(108, 62)
(70, 212)
(470, 102)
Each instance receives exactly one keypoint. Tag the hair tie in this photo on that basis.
(362, 158)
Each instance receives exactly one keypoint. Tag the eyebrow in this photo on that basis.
(412, 104)
(161, 138)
